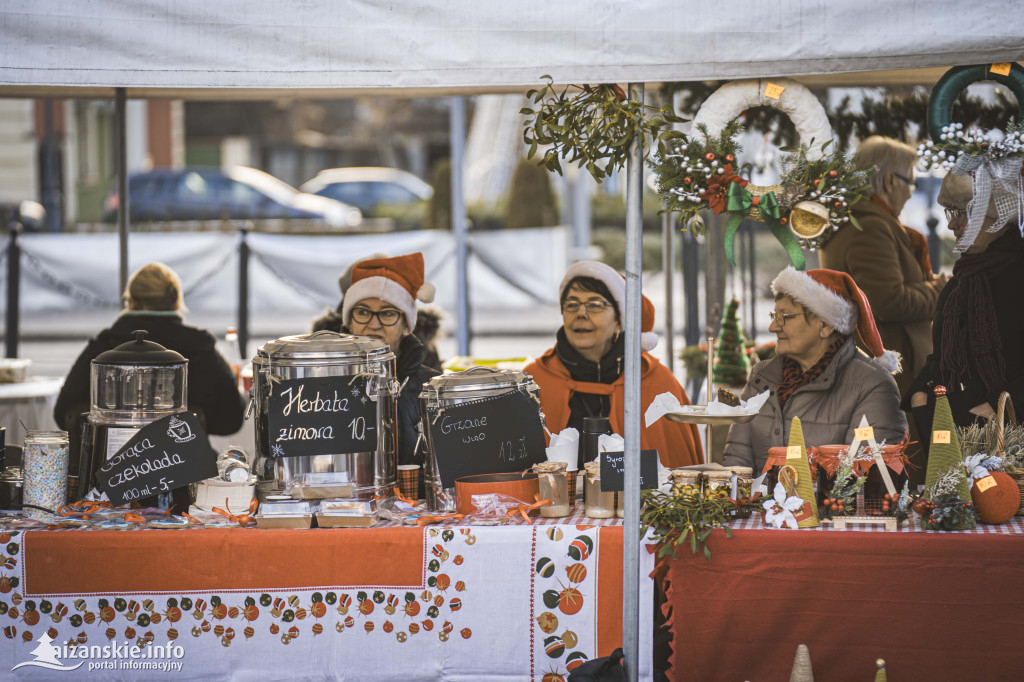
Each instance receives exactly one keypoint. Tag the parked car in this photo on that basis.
(239, 193)
(369, 188)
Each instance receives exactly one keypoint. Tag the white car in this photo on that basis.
(368, 188)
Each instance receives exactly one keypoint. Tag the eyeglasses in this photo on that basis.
(388, 317)
(595, 307)
(780, 318)
(910, 181)
(952, 213)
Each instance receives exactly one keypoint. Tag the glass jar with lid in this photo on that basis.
(45, 462)
(137, 383)
(554, 486)
(686, 482)
(718, 483)
(743, 479)
(598, 504)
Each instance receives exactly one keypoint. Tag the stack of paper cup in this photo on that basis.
(565, 447)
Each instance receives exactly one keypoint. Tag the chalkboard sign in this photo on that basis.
(613, 470)
(495, 435)
(321, 416)
(167, 454)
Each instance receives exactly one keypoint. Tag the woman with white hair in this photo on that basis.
(889, 262)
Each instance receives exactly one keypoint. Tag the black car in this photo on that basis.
(239, 193)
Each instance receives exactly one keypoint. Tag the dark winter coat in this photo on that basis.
(212, 386)
(411, 372)
(1005, 285)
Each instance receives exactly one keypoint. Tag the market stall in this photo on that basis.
(391, 603)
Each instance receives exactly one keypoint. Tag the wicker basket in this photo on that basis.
(1004, 412)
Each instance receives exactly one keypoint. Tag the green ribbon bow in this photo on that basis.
(738, 204)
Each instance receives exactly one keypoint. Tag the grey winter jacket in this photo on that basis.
(830, 407)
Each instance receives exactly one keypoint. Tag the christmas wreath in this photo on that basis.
(992, 158)
(815, 191)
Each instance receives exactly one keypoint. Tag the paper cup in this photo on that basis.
(409, 480)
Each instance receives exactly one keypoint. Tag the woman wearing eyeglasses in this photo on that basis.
(818, 374)
(381, 302)
(581, 376)
(888, 261)
(978, 331)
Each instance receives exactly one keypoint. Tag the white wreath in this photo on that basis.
(799, 103)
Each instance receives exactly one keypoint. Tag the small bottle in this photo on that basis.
(593, 428)
(598, 504)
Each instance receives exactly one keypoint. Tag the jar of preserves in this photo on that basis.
(598, 504)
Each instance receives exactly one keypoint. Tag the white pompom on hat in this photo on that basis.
(398, 280)
(616, 284)
(839, 302)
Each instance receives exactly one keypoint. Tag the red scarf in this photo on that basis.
(793, 378)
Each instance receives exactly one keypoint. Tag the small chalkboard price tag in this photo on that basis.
(321, 416)
(613, 470)
(496, 435)
(167, 454)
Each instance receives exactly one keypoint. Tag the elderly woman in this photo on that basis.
(381, 302)
(582, 375)
(888, 261)
(978, 331)
(818, 374)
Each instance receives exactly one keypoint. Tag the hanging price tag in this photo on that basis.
(866, 433)
(1002, 69)
(794, 452)
(940, 437)
(773, 91)
(985, 483)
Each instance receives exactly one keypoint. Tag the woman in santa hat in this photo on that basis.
(818, 374)
(381, 302)
(581, 376)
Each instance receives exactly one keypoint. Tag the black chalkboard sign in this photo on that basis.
(321, 416)
(167, 454)
(613, 470)
(495, 435)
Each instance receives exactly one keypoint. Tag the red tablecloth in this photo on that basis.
(935, 606)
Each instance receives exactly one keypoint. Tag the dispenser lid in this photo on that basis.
(477, 378)
(323, 345)
(140, 352)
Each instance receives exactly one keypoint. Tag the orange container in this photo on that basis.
(520, 486)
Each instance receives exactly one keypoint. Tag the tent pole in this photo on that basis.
(120, 107)
(668, 262)
(457, 129)
(631, 416)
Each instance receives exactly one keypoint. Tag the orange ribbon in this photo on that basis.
(192, 519)
(425, 520)
(402, 498)
(133, 517)
(525, 509)
(241, 519)
(83, 507)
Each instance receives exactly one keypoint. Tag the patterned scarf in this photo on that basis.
(793, 378)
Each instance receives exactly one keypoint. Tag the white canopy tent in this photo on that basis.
(251, 49)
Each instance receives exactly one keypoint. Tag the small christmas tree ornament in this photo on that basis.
(796, 456)
(731, 363)
(880, 675)
(944, 454)
(802, 666)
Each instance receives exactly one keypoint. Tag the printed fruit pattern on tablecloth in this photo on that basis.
(564, 583)
(235, 617)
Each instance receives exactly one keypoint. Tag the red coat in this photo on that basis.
(677, 444)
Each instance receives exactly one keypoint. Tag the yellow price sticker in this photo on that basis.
(794, 452)
(866, 433)
(1002, 68)
(773, 91)
(940, 437)
(985, 483)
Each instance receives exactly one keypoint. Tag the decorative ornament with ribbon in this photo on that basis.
(740, 203)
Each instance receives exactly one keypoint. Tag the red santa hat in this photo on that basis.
(616, 284)
(838, 301)
(398, 280)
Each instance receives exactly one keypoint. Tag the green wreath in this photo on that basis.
(954, 81)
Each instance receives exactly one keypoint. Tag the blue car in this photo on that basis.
(239, 193)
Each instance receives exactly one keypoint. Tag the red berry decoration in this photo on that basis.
(730, 158)
(687, 181)
(816, 182)
(833, 174)
(709, 156)
(783, 220)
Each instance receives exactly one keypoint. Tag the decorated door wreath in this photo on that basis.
(992, 158)
(816, 188)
